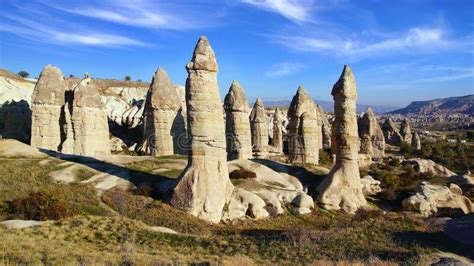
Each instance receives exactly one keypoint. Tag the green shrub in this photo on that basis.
(394, 162)
(23, 74)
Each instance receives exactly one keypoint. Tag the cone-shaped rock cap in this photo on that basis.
(258, 112)
(389, 124)
(203, 57)
(235, 100)
(369, 113)
(86, 94)
(50, 87)
(162, 94)
(301, 103)
(277, 115)
(346, 85)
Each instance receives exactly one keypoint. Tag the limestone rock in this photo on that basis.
(416, 141)
(163, 124)
(370, 186)
(438, 200)
(405, 132)
(391, 133)
(429, 166)
(259, 129)
(371, 135)
(277, 136)
(239, 143)
(304, 131)
(204, 188)
(342, 188)
(47, 101)
(89, 120)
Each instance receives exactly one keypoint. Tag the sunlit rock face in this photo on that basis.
(47, 101)
(371, 136)
(342, 188)
(304, 129)
(259, 129)
(391, 132)
(239, 145)
(204, 187)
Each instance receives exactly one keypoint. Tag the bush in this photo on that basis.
(23, 74)
(406, 149)
(242, 174)
(127, 78)
(367, 214)
(42, 205)
(395, 162)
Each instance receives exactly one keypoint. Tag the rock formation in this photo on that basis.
(391, 133)
(371, 135)
(239, 143)
(429, 166)
(89, 120)
(325, 127)
(405, 132)
(416, 141)
(370, 186)
(15, 120)
(304, 131)
(342, 187)
(47, 101)
(277, 136)
(204, 188)
(433, 199)
(259, 129)
(160, 117)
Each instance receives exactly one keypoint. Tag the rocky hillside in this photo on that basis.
(451, 105)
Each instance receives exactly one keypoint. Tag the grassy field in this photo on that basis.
(91, 234)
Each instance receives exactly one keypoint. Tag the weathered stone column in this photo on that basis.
(204, 187)
(416, 141)
(239, 144)
(162, 107)
(405, 132)
(304, 130)
(342, 188)
(370, 131)
(325, 127)
(277, 140)
(259, 129)
(391, 133)
(89, 120)
(47, 101)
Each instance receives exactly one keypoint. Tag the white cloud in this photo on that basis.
(34, 31)
(284, 69)
(414, 40)
(297, 11)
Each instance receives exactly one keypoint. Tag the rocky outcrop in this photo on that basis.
(429, 166)
(342, 188)
(259, 129)
(325, 127)
(304, 130)
(438, 200)
(405, 132)
(15, 120)
(90, 129)
(370, 186)
(391, 133)
(416, 141)
(204, 188)
(371, 136)
(47, 101)
(162, 121)
(239, 143)
(277, 130)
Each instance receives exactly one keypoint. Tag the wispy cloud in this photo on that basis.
(465, 74)
(38, 32)
(139, 13)
(297, 11)
(414, 40)
(284, 69)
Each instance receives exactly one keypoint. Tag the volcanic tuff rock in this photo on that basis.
(372, 138)
(259, 129)
(391, 132)
(15, 121)
(88, 120)
(304, 131)
(429, 166)
(277, 136)
(416, 141)
(47, 101)
(405, 132)
(342, 187)
(204, 187)
(325, 127)
(163, 124)
(239, 143)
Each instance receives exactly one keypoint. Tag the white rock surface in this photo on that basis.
(370, 186)
(429, 166)
(19, 224)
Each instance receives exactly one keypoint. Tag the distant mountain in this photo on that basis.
(329, 106)
(451, 105)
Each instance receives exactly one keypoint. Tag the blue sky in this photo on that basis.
(400, 51)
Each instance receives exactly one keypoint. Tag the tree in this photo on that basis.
(23, 74)
(71, 75)
(128, 78)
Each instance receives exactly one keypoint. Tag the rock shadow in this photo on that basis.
(15, 121)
